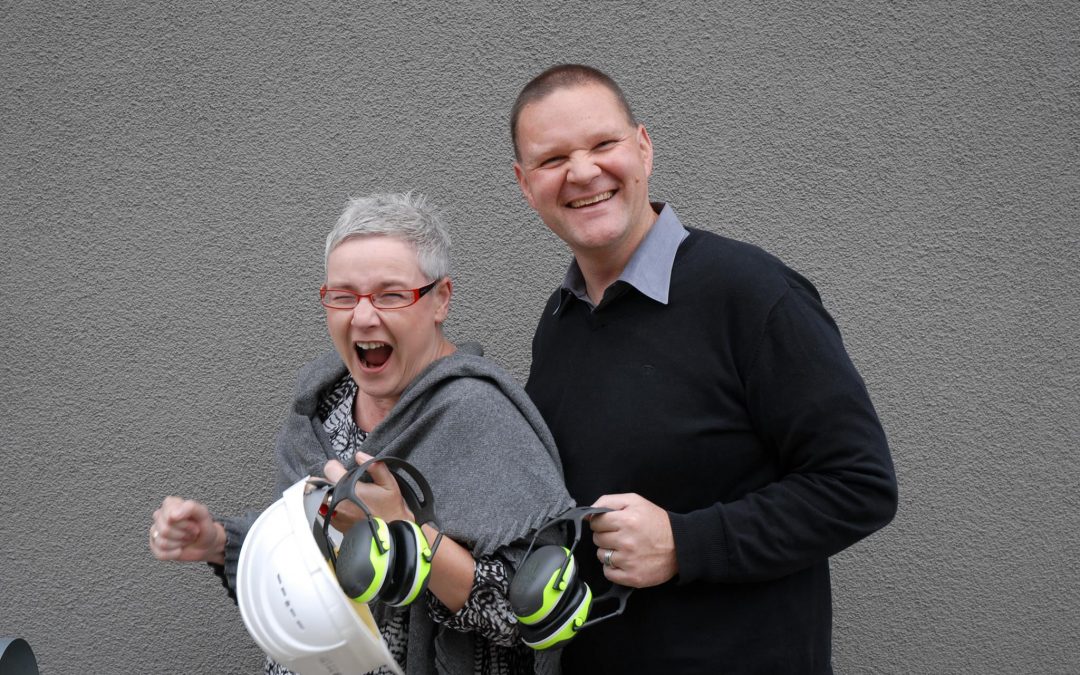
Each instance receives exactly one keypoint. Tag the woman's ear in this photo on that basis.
(443, 292)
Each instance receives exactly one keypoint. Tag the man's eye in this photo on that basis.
(552, 161)
(395, 296)
(340, 296)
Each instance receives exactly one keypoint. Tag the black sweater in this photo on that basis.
(736, 408)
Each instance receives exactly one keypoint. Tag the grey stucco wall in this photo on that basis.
(168, 171)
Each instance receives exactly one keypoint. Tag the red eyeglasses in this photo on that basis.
(343, 298)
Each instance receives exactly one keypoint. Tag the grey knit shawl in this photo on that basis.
(484, 448)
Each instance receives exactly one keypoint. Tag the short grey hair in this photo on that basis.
(406, 216)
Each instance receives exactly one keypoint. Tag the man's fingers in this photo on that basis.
(610, 522)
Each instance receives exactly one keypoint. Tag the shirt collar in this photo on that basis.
(649, 268)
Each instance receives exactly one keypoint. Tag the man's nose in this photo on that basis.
(582, 169)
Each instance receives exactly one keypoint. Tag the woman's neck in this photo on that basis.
(370, 411)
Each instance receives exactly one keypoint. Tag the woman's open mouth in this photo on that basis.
(373, 355)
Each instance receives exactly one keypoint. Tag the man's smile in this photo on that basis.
(589, 201)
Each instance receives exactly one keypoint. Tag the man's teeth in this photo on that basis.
(370, 345)
(578, 203)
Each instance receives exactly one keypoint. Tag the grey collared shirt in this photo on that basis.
(649, 269)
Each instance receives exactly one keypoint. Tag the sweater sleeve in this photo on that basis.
(835, 482)
(236, 529)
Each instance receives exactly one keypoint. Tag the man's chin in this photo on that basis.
(599, 236)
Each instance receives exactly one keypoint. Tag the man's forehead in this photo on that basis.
(570, 93)
(572, 113)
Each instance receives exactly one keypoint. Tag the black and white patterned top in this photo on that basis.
(487, 611)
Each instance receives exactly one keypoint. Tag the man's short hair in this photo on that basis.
(405, 216)
(562, 76)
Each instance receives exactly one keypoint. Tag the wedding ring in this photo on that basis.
(607, 558)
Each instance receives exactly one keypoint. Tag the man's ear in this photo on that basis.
(523, 183)
(443, 292)
(645, 147)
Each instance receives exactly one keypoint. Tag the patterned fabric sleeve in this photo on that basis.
(487, 612)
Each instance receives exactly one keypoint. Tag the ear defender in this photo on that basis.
(389, 562)
(549, 600)
(365, 559)
(412, 564)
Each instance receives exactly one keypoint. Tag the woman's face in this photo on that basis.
(385, 349)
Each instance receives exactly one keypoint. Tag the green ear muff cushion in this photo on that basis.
(563, 623)
(361, 569)
(411, 569)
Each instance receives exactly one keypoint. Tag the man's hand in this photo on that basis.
(183, 530)
(639, 534)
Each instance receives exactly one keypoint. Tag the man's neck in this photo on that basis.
(602, 267)
(599, 274)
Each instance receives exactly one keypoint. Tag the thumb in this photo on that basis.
(333, 470)
(377, 470)
(362, 457)
(382, 476)
(614, 502)
(185, 510)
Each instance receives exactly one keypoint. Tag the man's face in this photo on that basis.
(584, 167)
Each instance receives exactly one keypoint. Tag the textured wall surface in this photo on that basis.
(169, 170)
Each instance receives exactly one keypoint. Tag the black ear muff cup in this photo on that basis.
(533, 583)
(354, 567)
(566, 609)
(406, 564)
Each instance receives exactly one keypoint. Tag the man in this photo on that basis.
(698, 387)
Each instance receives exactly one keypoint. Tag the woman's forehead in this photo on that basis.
(374, 259)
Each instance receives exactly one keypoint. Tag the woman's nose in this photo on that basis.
(364, 314)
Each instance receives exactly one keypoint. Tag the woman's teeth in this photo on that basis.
(373, 354)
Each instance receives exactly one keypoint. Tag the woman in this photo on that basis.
(397, 387)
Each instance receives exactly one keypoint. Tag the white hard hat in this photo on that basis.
(290, 599)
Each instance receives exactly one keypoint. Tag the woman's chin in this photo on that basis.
(375, 387)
